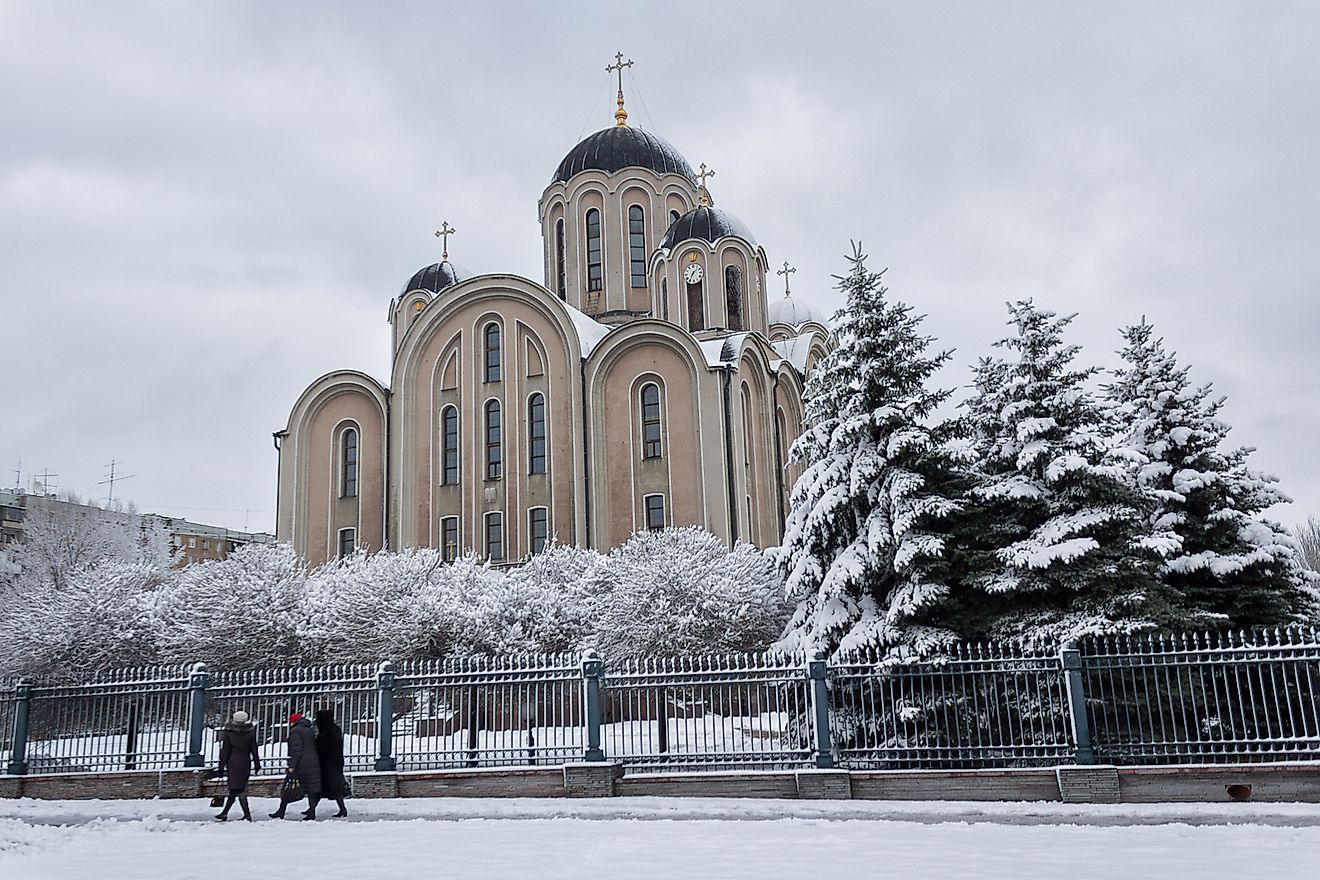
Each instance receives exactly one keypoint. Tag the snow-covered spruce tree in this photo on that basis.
(683, 591)
(1061, 551)
(865, 555)
(1230, 565)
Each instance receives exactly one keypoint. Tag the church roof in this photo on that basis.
(793, 311)
(436, 277)
(708, 223)
(613, 149)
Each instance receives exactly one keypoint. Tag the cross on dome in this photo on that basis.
(703, 193)
(443, 233)
(620, 115)
(786, 271)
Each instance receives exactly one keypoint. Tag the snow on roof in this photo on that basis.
(713, 349)
(795, 350)
(590, 332)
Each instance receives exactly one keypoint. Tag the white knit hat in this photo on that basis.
(240, 717)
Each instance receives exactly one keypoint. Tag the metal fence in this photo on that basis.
(1196, 698)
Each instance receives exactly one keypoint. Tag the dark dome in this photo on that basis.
(707, 223)
(436, 277)
(613, 149)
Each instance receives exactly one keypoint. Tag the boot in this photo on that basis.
(309, 815)
(224, 813)
(279, 814)
(342, 810)
(247, 813)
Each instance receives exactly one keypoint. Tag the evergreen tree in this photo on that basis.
(864, 555)
(1061, 552)
(1231, 565)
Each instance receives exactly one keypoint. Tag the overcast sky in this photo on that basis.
(203, 206)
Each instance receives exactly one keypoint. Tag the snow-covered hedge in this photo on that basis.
(680, 590)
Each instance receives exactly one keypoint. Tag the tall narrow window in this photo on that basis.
(492, 338)
(538, 527)
(637, 245)
(651, 442)
(449, 432)
(595, 268)
(561, 280)
(655, 512)
(449, 538)
(664, 298)
(494, 536)
(696, 307)
(347, 542)
(494, 454)
(349, 482)
(733, 298)
(536, 434)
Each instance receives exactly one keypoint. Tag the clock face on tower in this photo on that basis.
(692, 273)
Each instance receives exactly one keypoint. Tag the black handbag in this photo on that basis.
(291, 790)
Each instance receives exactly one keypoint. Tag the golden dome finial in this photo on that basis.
(703, 194)
(620, 115)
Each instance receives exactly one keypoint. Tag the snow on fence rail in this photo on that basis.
(1204, 698)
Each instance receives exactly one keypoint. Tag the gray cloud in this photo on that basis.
(203, 207)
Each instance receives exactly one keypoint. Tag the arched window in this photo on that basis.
(449, 446)
(538, 528)
(492, 337)
(664, 298)
(349, 464)
(449, 538)
(494, 453)
(561, 282)
(495, 536)
(536, 434)
(637, 245)
(733, 298)
(655, 512)
(595, 268)
(347, 542)
(652, 446)
(696, 307)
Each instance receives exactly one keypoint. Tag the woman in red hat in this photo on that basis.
(303, 764)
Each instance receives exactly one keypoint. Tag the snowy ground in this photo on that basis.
(662, 838)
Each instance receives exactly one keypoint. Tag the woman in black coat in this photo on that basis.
(238, 760)
(302, 764)
(330, 752)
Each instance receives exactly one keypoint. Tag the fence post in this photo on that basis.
(593, 670)
(198, 680)
(385, 718)
(18, 764)
(818, 671)
(1072, 677)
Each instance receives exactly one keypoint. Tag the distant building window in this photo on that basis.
(651, 427)
(538, 526)
(655, 512)
(536, 434)
(494, 536)
(494, 434)
(192, 542)
(696, 307)
(347, 542)
(637, 245)
(561, 279)
(595, 266)
(733, 298)
(349, 482)
(206, 545)
(449, 443)
(449, 538)
(492, 339)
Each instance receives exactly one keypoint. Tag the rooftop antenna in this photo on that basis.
(44, 476)
(786, 271)
(18, 474)
(111, 478)
(443, 233)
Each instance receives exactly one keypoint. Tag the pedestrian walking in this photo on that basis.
(303, 766)
(238, 761)
(330, 752)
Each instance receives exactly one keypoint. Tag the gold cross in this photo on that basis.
(786, 271)
(619, 66)
(443, 233)
(701, 177)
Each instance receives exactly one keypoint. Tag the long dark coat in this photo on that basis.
(302, 756)
(330, 752)
(238, 755)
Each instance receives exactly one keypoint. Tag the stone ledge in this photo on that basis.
(822, 785)
(591, 780)
(1088, 784)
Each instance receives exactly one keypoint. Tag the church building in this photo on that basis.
(650, 380)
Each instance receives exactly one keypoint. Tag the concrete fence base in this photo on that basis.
(1283, 782)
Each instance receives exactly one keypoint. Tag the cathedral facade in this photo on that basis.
(649, 381)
